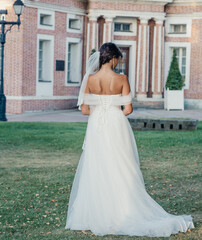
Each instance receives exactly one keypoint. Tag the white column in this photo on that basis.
(91, 35)
(142, 60)
(88, 42)
(157, 76)
(108, 29)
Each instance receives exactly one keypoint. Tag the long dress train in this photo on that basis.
(108, 194)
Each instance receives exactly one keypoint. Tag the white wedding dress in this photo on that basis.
(108, 194)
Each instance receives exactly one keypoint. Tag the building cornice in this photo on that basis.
(54, 7)
(186, 3)
(135, 1)
(119, 13)
(195, 15)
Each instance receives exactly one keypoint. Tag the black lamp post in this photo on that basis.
(18, 8)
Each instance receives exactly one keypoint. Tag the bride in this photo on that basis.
(108, 194)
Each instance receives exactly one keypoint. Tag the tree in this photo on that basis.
(92, 51)
(175, 80)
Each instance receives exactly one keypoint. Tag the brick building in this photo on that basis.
(45, 59)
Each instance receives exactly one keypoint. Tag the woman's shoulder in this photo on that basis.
(121, 76)
(114, 76)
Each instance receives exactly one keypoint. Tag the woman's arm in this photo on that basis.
(128, 109)
(85, 109)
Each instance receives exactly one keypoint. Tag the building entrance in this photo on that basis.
(122, 66)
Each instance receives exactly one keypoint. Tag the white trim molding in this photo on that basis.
(93, 35)
(132, 61)
(54, 7)
(132, 21)
(159, 57)
(128, 14)
(88, 42)
(138, 58)
(104, 32)
(178, 19)
(51, 24)
(45, 88)
(168, 58)
(76, 17)
(153, 59)
(145, 50)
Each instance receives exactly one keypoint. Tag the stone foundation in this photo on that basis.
(163, 124)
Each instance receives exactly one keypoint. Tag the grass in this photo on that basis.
(37, 166)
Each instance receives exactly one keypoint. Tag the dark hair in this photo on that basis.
(108, 51)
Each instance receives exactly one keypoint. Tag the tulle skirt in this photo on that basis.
(108, 194)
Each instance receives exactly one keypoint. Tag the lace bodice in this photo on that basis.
(105, 103)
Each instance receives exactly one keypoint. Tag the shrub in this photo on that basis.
(92, 51)
(175, 80)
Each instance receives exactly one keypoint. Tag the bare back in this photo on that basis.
(108, 83)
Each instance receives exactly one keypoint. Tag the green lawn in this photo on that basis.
(38, 163)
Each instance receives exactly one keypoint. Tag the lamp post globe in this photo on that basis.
(18, 7)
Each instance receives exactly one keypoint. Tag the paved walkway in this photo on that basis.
(74, 115)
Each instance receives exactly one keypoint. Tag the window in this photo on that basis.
(181, 57)
(183, 54)
(44, 65)
(178, 28)
(122, 27)
(122, 66)
(44, 61)
(73, 62)
(46, 19)
(74, 23)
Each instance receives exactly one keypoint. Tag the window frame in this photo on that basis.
(168, 59)
(179, 58)
(46, 26)
(180, 32)
(129, 20)
(79, 42)
(47, 85)
(74, 17)
(122, 23)
(171, 20)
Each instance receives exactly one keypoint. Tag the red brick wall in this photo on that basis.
(20, 62)
(30, 54)
(183, 9)
(195, 80)
(13, 58)
(21, 47)
(125, 6)
(29, 51)
(67, 3)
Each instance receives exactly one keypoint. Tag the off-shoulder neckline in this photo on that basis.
(106, 94)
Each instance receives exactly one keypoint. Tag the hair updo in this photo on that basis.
(107, 52)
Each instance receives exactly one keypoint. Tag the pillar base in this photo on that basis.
(157, 96)
(141, 96)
